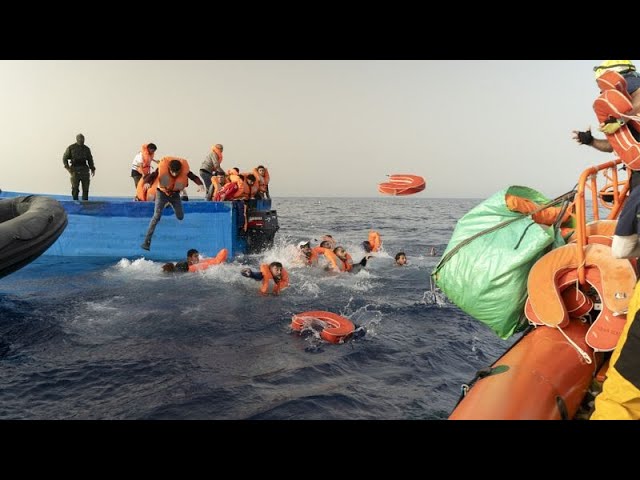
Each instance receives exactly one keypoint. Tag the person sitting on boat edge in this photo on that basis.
(401, 259)
(173, 176)
(141, 165)
(218, 181)
(273, 272)
(628, 71)
(262, 176)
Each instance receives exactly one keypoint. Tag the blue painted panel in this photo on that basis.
(116, 227)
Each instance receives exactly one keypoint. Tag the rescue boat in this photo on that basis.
(575, 301)
(29, 225)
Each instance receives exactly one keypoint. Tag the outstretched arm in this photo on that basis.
(247, 272)
(585, 138)
(197, 180)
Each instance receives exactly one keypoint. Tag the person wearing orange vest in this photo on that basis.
(173, 176)
(141, 165)
(346, 263)
(308, 255)
(268, 274)
(262, 176)
(628, 71)
(195, 263)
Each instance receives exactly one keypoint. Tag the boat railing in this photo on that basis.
(611, 196)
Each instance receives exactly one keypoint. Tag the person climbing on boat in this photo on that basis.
(632, 78)
(268, 274)
(173, 176)
(141, 165)
(211, 164)
(78, 161)
(401, 259)
(218, 181)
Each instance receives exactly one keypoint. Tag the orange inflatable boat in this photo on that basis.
(541, 377)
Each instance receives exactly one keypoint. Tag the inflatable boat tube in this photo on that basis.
(28, 227)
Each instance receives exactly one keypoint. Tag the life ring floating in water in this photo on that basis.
(333, 327)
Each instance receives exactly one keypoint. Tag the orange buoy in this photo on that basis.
(333, 328)
(402, 184)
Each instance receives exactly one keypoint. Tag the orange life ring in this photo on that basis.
(335, 329)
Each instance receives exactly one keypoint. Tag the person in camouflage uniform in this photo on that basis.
(78, 161)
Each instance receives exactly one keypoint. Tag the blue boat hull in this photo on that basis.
(116, 227)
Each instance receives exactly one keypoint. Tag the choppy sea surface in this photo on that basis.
(99, 338)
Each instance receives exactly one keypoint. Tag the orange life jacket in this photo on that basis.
(374, 240)
(204, 264)
(147, 157)
(267, 277)
(251, 189)
(262, 181)
(613, 102)
(146, 195)
(335, 262)
(168, 183)
(548, 216)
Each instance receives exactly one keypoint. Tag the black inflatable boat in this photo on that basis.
(28, 226)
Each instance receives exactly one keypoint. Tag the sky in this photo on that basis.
(323, 128)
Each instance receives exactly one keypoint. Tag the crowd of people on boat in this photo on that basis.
(218, 184)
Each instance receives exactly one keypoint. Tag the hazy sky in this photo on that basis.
(322, 128)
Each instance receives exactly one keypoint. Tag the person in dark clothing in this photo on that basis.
(78, 161)
(172, 180)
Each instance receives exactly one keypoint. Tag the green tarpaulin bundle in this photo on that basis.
(487, 275)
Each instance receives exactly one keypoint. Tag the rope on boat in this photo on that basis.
(582, 353)
(567, 197)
